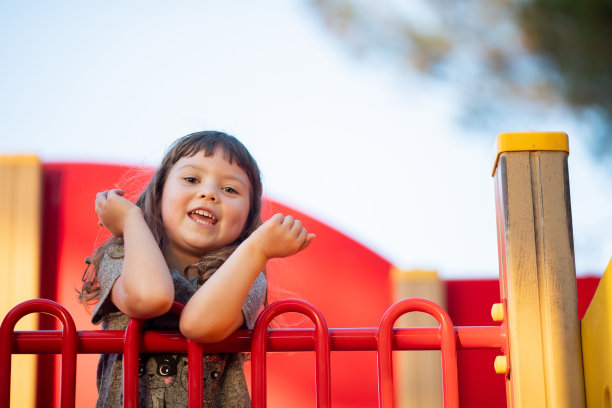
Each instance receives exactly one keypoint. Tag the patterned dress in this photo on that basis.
(163, 377)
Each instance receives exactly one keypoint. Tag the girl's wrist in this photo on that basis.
(133, 215)
(135, 211)
(255, 251)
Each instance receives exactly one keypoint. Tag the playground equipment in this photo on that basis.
(540, 352)
(537, 272)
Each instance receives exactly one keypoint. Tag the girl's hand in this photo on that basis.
(113, 209)
(281, 236)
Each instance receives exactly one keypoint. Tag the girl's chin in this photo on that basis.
(196, 248)
(199, 251)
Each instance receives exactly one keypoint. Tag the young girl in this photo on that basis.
(194, 235)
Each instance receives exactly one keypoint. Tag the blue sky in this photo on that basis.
(378, 156)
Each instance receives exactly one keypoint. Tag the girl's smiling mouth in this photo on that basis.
(203, 217)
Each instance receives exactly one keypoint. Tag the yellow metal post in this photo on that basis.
(596, 330)
(537, 271)
(20, 226)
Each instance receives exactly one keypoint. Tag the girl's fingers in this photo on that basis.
(276, 219)
(100, 198)
(304, 239)
(301, 236)
(297, 227)
(101, 201)
(288, 222)
(298, 231)
(104, 194)
(307, 241)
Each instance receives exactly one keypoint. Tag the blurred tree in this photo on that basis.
(508, 58)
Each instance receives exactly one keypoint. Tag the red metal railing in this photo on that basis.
(259, 349)
(448, 348)
(259, 341)
(69, 342)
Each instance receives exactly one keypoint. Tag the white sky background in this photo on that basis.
(379, 158)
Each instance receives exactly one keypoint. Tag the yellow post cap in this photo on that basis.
(404, 275)
(530, 141)
(19, 160)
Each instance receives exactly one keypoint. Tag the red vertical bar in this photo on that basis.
(69, 348)
(258, 363)
(131, 351)
(259, 349)
(195, 366)
(69, 352)
(448, 347)
(6, 343)
(131, 354)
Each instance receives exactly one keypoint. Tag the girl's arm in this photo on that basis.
(215, 310)
(144, 289)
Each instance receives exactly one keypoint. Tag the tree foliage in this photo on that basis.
(576, 37)
(522, 57)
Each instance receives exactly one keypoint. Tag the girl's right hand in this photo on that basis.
(113, 209)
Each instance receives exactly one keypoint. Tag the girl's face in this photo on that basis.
(204, 206)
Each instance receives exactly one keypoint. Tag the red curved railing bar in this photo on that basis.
(259, 349)
(69, 341)
(448, 347)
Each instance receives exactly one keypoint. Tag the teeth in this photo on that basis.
(203, 222)
(205, 214)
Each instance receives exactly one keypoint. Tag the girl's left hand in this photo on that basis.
(281, 236)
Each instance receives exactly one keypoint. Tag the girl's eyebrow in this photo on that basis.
(187, 167)
(224, 176)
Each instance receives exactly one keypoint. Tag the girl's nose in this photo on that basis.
(208, 195)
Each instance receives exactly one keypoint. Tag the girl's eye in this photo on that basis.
(190, 180)
(230, 190)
